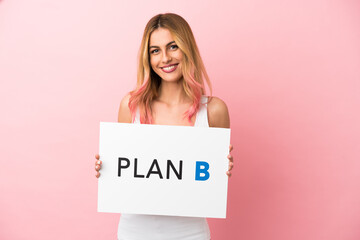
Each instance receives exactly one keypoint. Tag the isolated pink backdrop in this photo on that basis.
(289, 72)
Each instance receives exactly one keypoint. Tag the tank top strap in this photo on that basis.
(137, 116)
(202, 116)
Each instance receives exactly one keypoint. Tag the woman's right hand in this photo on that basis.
(97, 165)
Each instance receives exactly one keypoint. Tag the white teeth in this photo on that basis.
(169, 68)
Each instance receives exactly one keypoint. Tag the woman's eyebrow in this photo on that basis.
(166, 45)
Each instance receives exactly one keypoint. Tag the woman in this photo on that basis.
(170, 91)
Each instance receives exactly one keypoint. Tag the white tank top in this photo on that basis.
(156, 227)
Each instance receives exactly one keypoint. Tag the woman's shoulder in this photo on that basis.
(124, 115)
(218, 114)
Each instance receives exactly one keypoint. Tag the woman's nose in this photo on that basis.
(166, 57)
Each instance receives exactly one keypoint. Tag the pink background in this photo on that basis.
(289, 72)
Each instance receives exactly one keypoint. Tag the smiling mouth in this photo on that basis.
(170, 68)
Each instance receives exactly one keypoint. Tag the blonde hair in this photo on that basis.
(193, 69)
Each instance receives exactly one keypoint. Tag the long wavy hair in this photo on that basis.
(193, 69)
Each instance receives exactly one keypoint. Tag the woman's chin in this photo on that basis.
(172, 80)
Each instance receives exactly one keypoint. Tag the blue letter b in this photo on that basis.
(202, 167)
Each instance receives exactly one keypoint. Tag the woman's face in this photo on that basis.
(165, 55)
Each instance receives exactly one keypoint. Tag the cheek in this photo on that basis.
(153, 66)
(152, 63)
(179, 55)
(180, 58)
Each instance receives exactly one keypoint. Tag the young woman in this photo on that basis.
(170, 91)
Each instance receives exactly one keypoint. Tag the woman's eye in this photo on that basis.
(153, 51)
(174, 47)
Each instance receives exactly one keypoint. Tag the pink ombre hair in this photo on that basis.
(193, 69)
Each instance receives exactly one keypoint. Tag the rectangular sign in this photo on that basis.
(163, 170)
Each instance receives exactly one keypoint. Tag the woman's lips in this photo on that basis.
(170, 68)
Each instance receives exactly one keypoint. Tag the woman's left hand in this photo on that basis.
(231, 161)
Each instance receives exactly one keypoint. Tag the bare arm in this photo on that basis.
(124, 115)
(218, 116)
(218, 113)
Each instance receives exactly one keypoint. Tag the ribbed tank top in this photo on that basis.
(156, 227)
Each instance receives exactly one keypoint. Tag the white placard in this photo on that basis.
(162, 170)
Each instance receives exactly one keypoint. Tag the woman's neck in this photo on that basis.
(172, 93)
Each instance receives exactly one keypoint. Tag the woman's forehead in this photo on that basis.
(160, 37)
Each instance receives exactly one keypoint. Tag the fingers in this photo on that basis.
(231, 161)
(97, 165)
(231, 166)
(231, 147)
(97, 169)
(230, 157)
